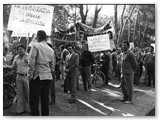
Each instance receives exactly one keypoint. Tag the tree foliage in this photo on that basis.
(140, 19)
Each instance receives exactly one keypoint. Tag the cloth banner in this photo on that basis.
(31, 18)
(94, 31)
(80, 30)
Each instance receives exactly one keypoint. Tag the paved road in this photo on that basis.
(102, 101)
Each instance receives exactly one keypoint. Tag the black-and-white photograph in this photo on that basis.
(79, 60)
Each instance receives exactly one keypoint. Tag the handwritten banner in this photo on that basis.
(92, 31)
(99, 43)
(31, 18)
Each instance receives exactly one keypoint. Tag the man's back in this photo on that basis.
(45, 53)
(42, 60)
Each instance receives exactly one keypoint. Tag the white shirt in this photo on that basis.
(42, 61)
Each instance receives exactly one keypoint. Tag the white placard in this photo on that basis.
(31, 18)
(20, 34)
(131, 45)
(153, 44)
(99, 43)
(112, 44)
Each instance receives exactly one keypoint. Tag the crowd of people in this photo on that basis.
(36, 72)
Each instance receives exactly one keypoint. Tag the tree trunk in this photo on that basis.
(96, 16)
(83, 16)
(134, 31)
(115, 22)
(119, 35)
(144, 30)
(127, 20)
(115, 17)
(139, 32)
(75, 16)
(129, 30)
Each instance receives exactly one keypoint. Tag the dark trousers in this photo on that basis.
(39, 89)
(118, 70)
(57, 73)
(137, 75)
(127, 86)
(66, 84)
(114, 64)
(151, 74)
(86, 77)
(105, 70)
(52, 88)
(141, 68)
(72, 82)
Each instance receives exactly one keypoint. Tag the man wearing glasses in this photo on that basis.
(72, 71)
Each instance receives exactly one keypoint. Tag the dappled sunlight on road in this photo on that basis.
(127, 114)
(113, 109)
(94, 90)
(112, 92)
(90, 106)
(114, 85)
(102, 104)
(149, 92)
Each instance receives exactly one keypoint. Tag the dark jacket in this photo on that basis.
(129, 64)
(73, 64)
(86, 58)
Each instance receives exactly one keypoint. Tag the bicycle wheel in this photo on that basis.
(9, 94)
(99, 78)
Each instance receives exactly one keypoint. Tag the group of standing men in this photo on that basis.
(38, 72)
(34, 76)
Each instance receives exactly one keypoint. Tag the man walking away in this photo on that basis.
(41, 66)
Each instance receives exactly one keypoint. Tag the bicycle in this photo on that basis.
(98, 77)
(9, 90)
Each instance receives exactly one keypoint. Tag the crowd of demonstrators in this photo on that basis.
(36, 76)
(111, 64)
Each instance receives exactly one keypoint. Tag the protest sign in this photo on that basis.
(99, 43)
(112, 44)
(20, 34)
(131, 45)
(31, 18)
(153, 44)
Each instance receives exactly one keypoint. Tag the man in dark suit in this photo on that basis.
(86, 62)
(72, 71)
(129, 66)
